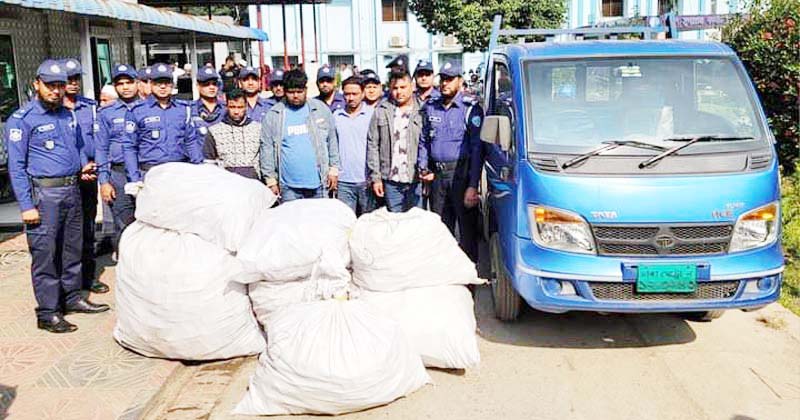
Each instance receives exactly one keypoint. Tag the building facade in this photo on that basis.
(369, 33)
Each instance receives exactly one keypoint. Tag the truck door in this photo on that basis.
(501, 165)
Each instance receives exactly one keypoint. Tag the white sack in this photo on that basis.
(301, 238)
(269, 297)
(331, 357)
(398, 251)
(438, 321)
(207, 200)
(176, 298)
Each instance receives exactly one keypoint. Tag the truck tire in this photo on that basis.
(507, 302)
(706, 316)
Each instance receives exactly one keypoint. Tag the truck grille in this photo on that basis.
(713, 290)
(654, 240)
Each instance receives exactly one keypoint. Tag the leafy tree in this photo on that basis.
(768, 43)
(470, 21)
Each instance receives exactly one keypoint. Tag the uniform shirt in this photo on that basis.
(352, 134)
(205, 117)
(337, 103)
(298, 158)
(256, 113)
(161, 135)
(86, 115)
(42, 143)
(114, 126)
(435, 94)
(452, 134)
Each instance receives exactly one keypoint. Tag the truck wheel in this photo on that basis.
(507, 302)
(706, 316)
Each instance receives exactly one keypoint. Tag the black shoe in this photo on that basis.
(98, 287)
(56, 324)
(83, 306)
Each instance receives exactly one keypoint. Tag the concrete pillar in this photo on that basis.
(86, 59)
(195, 66)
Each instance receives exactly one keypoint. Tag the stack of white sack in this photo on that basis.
(331, 357)
(179, 297)
(217, 205)
(413, 271)
(300, 250)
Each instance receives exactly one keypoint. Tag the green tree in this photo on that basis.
(470, 21)
(768, 42)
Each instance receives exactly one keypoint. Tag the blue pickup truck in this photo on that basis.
(627, 176)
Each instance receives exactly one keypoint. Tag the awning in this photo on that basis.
(118, 9)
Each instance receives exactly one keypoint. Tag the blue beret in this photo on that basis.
(451, 68)
(51, 71)
(325, 72)
(248, 71)
(424, 65)
(73, 67)
(160, 71)
(276, 76)
(123, 70)
(207, 73)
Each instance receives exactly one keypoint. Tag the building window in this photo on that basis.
(101, 51)
(336, 60)
(9, 96)
(277, 62)
(612, 8)
(394, 10)
(666, 6)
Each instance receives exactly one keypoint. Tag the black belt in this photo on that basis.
(147, 166)
(118, 166)
(59, 181)
(449, 166)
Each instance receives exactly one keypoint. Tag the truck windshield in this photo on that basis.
(577, 105)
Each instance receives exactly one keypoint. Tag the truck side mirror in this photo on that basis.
(497, 130)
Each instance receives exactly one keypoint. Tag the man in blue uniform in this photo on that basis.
(164, 131)
(450, 156)
(250, 84)
(327, 89)
(143, 79)
(276, 86)
(45, 161)
(114, 126)
(423, 79)
(85, 110)
(373, 89)
(208, 110)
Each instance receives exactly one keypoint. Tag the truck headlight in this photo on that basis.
(560, 229)
(756, 228)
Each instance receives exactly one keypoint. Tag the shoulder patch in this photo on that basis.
(202, 129)
(15, 134)
(20, 113)
(476, 120)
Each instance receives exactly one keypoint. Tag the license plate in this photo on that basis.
(666, 278)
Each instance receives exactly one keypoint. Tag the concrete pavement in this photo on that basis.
(574, 366)
(84, 375)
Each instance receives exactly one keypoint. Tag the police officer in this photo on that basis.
(423, 78)
(373, 89)
(250, 84)
(276, 86)
(208, 110)
(85, 111)
(164, 131)
(45, 161)
(327, 89)
(450, 157)
(143, 78)
(114, 126)
(399, 64)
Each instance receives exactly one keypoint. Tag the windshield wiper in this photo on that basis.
(689, 141)
(609, 145)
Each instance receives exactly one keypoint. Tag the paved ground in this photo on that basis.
(574, 366)
(84, 375)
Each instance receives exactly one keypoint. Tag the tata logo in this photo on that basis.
(665, 241)
(604, 215)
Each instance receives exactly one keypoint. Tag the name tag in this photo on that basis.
(296, 130)
(45, 128)
(152, 119)
(119, 120)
